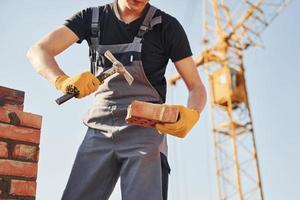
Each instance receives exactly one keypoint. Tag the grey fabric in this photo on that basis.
(94, 41)
(95, 38)
(155, 21)
(144, 29)
(146, 23)
(101, 160)
(120, 48)
(149, 16)
(112, 148)
(116, 91)
(95, 16)
(137, 40)
(95, 27)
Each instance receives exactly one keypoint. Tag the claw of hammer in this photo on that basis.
(119, 67)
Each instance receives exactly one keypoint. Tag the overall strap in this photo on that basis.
(95, 40)
(95, 30)
(147, 24)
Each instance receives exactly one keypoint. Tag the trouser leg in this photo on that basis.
(95, 170)
(141, 172)
(141, 177)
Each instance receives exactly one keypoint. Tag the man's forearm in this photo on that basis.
(197, 98)
(44, 63)
(41, 55)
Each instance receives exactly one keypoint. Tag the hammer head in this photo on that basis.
(119, 67)
(122, 70)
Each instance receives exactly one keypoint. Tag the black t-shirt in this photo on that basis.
(165, 41)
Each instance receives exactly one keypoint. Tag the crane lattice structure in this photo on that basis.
(231, 27)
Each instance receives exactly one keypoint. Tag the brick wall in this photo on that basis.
(19, 147)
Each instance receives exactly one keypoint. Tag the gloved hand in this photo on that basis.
(83, 84)
(187, 119)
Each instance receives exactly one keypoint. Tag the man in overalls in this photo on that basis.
(143, 38)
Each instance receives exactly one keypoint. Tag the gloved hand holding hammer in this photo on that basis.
(86, 83)
(82, 84)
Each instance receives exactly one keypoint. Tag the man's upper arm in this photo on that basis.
(188, 71)
(58, 40)
(179, 50)
(175, 40)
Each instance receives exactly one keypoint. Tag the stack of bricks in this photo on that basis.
(19, 147)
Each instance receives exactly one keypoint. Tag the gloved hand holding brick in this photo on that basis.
(175, 120)
(149, 114)
(186, 121)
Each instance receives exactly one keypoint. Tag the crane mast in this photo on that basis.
(231, 27)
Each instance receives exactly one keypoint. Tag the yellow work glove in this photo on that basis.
(187, 119)
(82, 84)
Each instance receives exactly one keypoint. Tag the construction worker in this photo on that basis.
(143, 38)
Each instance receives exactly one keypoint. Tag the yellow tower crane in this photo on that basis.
(231, 27)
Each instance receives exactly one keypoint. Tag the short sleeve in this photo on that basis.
(175, 40)
(79, 23)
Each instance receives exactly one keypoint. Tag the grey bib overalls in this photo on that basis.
(112, 148)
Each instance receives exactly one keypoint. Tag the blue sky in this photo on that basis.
(272, 80)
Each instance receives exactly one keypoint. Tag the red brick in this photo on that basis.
(23, 188)
(22, 151)
(17, 168)
(11, 98)
(19, 133)
(148, 114)
(23, 118)
(3, 150)
(11, 107)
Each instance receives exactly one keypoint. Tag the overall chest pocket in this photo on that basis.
(126, 59)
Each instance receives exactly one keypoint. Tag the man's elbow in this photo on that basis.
(29, 54)
(33, 52)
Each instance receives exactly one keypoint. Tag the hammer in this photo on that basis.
(117, 67)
